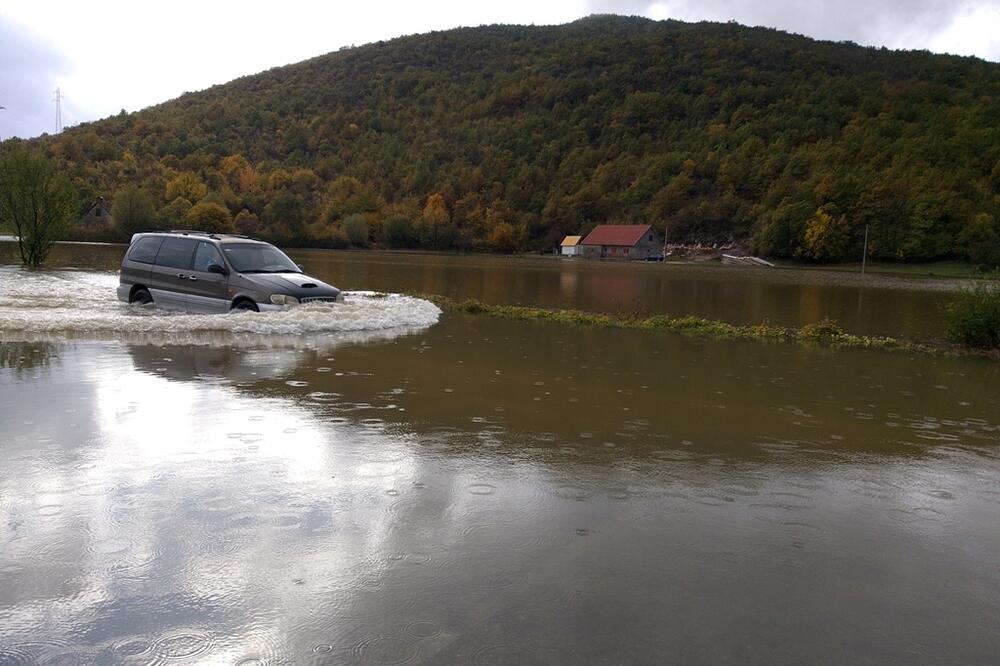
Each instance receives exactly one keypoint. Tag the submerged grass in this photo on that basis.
(824, 333)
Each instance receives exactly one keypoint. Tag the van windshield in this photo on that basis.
(258, 258)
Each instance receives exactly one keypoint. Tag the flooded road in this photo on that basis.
(905, 307)
(385, 484)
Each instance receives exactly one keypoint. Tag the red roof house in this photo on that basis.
(624, 241)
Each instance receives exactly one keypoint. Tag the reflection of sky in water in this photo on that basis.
(182, 498)
(198, 505)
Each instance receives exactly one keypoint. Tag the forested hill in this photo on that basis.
(508, 137)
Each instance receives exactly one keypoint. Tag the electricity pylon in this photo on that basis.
(58, 100)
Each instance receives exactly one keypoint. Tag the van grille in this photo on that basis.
(318, 299)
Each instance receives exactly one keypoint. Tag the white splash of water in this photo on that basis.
(83, 304)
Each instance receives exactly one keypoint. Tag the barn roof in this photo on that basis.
(617, 234)
(99, 201)
(570, 241)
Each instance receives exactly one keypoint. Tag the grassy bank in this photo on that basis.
(824, 333)
(935, 269)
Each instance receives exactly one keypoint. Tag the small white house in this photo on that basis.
(570, 246)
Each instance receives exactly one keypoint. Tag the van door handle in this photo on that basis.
(193, 278)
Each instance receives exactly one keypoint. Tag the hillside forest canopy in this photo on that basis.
(507, 138)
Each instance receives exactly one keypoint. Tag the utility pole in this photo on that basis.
(864, 252)
(58, 100)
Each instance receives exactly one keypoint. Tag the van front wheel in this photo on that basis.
(246, 305)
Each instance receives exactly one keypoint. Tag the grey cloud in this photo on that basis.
(29, 72)
(893, 23)
(623, 7)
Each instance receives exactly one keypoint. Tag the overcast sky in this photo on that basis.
(108, 55)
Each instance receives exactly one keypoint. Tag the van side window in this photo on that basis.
(145, 249)
(176, 253)
(205, 255)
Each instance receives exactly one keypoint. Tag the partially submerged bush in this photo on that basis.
(822, 333)
(826, 331)
(472, 306)
(974, 317)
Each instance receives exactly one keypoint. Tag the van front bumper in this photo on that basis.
(123, 292)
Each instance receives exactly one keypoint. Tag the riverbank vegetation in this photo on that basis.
(825, 333)
(506, 138)
(974, 317)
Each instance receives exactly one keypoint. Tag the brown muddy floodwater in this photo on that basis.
(908, 307)
(380, 483)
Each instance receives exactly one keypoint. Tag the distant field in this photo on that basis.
(933, 269)
(953, 269)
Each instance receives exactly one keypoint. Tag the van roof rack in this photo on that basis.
(187, 232)
(195, 232)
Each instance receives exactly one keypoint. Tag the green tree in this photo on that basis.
(356, 228)
(397, 232)
(673, 196)
(347, 195)
(210, 217)
(981, 240)
(779, 229)
(172, 215)
(37, 203)
(133, 211)
(285, 209)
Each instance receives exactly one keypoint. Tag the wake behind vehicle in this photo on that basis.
(194, 271)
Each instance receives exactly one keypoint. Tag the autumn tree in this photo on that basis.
(239, 173)
(433, 223)
(186, 185)
(210, 217)
(502, 238)
(827, 237)
(246, 223)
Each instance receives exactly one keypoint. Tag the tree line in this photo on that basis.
(506, 138)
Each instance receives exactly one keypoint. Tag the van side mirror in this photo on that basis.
(216, 268)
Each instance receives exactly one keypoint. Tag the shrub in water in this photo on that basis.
(825, 331)
(974, 317)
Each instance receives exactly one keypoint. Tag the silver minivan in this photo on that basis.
(194, 271)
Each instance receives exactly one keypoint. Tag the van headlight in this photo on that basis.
(284, 299)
